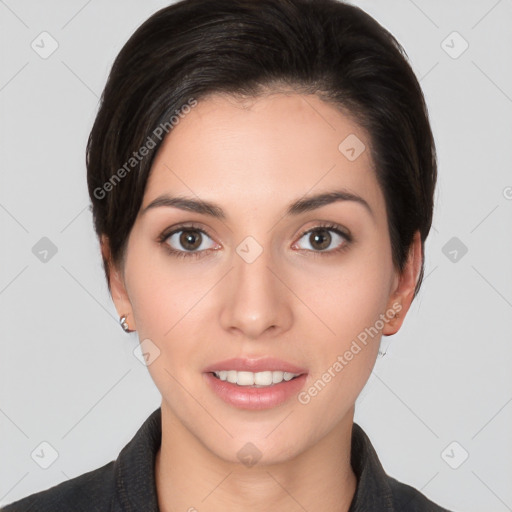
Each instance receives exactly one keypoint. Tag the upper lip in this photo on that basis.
(255, 365)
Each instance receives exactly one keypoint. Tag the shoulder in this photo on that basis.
(407, 498)
(91, 492)
(376, 490)
(127, 483)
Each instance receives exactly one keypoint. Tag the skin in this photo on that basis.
(252, 158)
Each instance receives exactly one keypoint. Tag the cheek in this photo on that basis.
(169, 311)
(342, 360)
(352, 295)
(349, 303)
(162, 294)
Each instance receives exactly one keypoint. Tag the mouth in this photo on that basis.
(255, 379)
(255, 383)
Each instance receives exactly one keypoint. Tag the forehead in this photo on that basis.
(263, 151)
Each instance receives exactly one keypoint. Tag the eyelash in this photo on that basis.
(199, 254)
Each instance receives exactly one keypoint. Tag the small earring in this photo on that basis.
(124, 324)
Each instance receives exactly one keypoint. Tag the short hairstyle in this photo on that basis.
(195, 48)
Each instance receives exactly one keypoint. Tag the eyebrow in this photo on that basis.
(297, 207)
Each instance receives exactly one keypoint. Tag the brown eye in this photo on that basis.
(190, 240)
(320, 239)
(187, 241)
(326, 239)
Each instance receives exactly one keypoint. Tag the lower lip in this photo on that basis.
(246, 397)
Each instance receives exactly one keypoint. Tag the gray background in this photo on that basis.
(68, 373)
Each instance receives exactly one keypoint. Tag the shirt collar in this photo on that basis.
(373, 491)
(135, 472)
(135, 469)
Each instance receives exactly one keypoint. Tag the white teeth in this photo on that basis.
(277, 377)
(245, 378)
(258, 379)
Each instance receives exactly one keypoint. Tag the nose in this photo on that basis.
(256, 300)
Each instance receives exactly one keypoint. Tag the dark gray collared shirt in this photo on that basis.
(128, 483)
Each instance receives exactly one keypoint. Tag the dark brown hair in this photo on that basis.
(195, 48)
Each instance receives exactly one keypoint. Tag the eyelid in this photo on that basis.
(328, 226)
(183, 254)
(166, 233)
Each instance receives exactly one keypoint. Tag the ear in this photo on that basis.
(117, 285)
(404, 287)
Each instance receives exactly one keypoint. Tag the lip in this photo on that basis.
(246, 397)
(241, 364)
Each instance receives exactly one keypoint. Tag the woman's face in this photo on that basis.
(305, 287)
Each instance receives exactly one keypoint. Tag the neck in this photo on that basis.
(190, 477)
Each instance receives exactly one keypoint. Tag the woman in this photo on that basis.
(262, 178)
